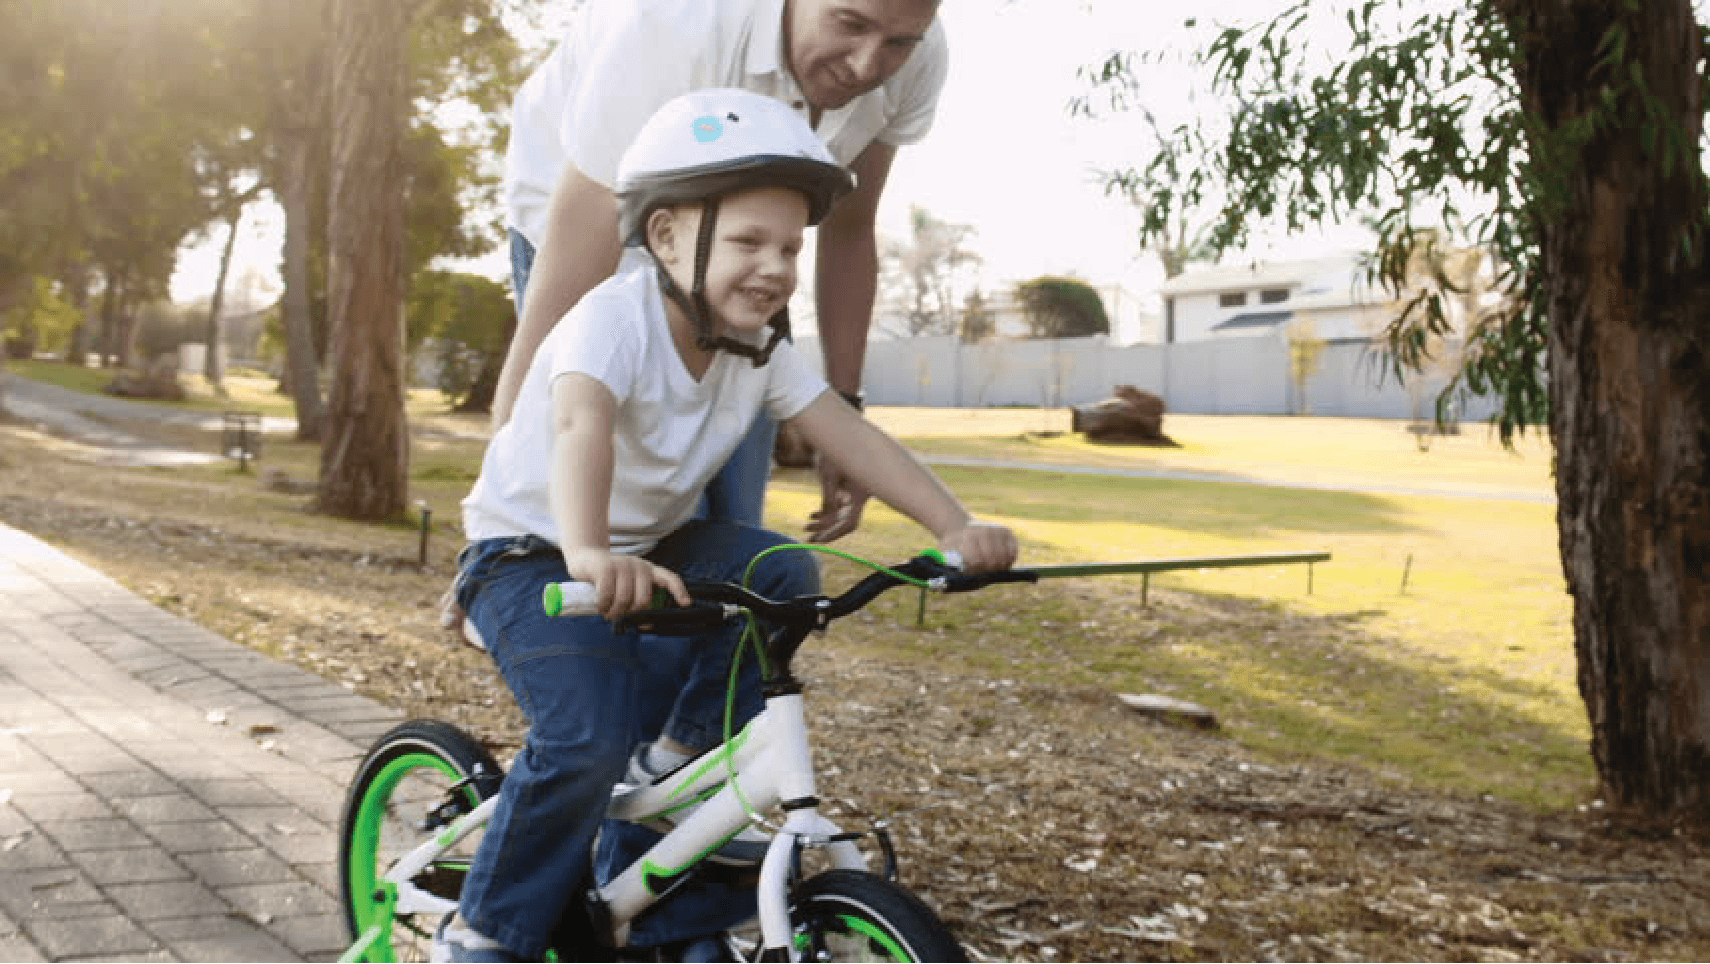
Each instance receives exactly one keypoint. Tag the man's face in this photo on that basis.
(840, 49)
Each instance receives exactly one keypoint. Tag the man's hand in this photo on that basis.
(451, 615)
(625, 583)
(840, 506)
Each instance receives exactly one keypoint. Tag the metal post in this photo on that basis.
(240, 437)
(427, 519)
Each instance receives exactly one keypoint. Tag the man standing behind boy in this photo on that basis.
(864, 74)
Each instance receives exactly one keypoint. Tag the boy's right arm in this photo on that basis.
(580, 489)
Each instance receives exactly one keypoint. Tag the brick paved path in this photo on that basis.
(165, 794)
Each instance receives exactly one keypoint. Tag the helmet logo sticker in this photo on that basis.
(707, 128)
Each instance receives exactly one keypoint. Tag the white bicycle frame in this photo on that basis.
(772, 763)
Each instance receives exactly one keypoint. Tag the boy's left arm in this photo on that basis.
(883, 467)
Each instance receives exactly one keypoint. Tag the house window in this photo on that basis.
(1231, 299)
(1273, 296)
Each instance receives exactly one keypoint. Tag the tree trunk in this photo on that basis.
(212, 370)
(127, 336)
(302, 372)
(365, 448)
(75, 283)
(1629, 364)
(10, 286)
(109, 322)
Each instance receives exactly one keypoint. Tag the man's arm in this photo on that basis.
(846, 277)
(846, 269)
(579, 250)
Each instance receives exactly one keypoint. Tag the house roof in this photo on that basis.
(1254, 319)
(1256, 275)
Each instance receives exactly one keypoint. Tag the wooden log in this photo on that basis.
(1132, 417)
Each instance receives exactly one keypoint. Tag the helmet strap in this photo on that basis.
(694, 304)
(698, 294)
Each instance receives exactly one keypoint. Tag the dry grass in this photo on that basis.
(1326, 820)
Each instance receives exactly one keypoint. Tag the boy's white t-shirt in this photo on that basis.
(671, 434)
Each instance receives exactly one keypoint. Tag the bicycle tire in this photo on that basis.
(852, 915)
(409, 772)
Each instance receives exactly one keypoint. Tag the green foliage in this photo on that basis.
(1062, 308)
(1414, 115)
(101, 131)
(119, 143)
(163, 328)
(469, 317)
(40, 320)
(979, 322)
(460, 54)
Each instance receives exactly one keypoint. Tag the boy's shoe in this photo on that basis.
(464, 944)
(749, 845)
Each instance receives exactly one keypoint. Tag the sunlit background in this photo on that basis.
(1006, 155)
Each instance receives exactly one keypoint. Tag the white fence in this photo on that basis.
(1225, 376)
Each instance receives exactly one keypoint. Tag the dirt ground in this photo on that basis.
(1043, 822)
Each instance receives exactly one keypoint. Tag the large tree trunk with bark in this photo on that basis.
(365, 447)
(1629, 364)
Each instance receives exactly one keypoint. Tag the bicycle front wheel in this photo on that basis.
(416, 779)
(852, 915)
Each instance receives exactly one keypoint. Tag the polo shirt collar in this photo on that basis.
(766, 43)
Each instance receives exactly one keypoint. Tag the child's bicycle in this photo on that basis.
(425, 790)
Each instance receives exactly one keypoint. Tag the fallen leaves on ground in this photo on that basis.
(1043, 822)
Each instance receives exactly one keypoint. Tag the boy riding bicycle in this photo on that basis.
(634, 400)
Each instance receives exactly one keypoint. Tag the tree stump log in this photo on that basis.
(1133, 417)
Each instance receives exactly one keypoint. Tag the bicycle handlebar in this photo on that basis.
(716, 603)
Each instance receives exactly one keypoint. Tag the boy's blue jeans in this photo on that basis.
(590, 695)
(738, 492)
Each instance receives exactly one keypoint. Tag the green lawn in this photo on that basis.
(1434, 647)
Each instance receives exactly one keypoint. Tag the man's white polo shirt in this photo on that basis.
(623, 59)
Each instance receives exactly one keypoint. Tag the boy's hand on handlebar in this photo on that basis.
(625, 583)
(983, 546)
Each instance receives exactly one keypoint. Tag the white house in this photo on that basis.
(1330, 296)
(1130, 322)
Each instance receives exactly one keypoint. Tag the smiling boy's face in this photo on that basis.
(751, 271)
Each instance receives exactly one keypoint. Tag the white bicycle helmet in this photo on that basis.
(704, 145)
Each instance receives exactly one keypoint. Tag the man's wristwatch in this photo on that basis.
(856, 400)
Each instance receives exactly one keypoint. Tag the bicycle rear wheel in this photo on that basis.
(852, 915)
(417, 778)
